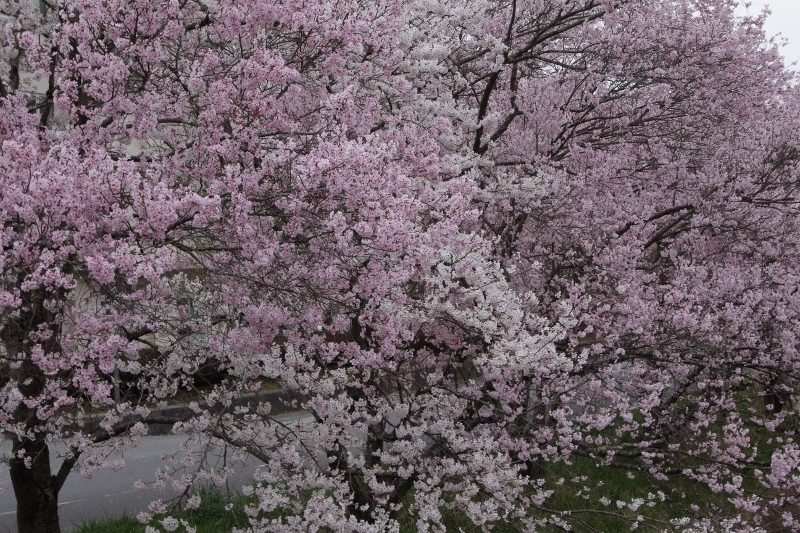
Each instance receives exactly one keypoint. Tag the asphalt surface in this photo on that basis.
(109, 493)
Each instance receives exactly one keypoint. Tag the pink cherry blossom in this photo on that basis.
(468, 236)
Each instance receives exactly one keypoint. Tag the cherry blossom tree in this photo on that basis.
(670, 230)
(473, 236)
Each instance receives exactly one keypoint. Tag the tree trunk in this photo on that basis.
(35, 488)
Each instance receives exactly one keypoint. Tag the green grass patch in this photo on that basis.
(121, 524)
(219, 512)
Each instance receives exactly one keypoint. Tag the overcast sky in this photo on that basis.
(785, 19)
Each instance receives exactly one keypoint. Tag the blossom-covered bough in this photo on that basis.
(475, 237)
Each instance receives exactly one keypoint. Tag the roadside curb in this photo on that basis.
(281, 401)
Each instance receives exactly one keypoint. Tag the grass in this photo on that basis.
(591, 494)
(121, 524)
(218, 513)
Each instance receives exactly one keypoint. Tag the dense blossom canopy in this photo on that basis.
(473, 237)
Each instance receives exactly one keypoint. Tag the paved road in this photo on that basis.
(111, 493)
